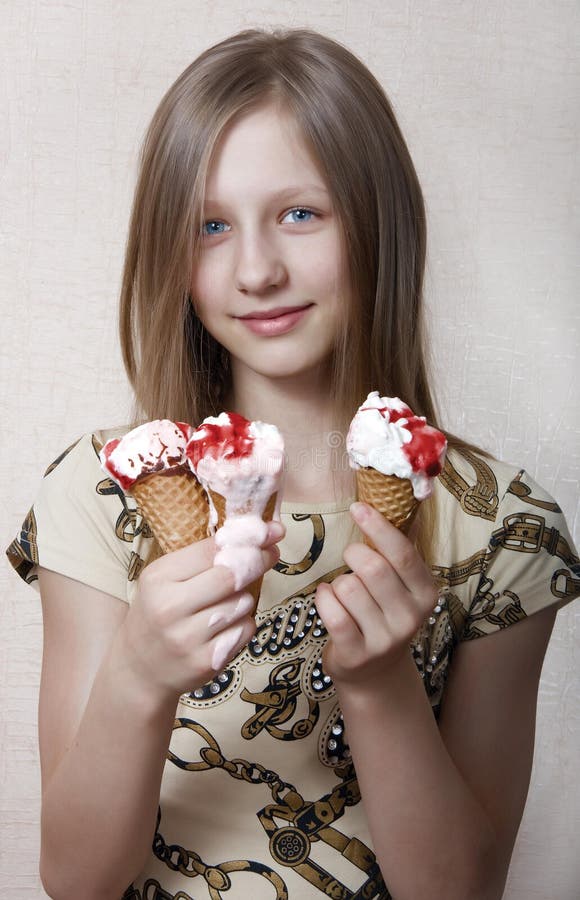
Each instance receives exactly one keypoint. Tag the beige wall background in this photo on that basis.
(487, 94)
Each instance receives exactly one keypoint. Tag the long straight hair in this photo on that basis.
(176, 368)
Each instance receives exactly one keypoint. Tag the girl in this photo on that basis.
(372, 732)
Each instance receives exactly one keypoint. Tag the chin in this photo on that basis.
(286, 362)
(281, 366)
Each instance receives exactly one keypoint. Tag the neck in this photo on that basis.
(316, 463)
(298, 406)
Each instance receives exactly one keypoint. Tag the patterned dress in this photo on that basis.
(259, 796)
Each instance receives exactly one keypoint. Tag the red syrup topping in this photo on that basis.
(184, 428)
(227, 441)
(426, 445)
(125, 481)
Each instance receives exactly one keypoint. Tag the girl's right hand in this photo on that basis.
(186, 621)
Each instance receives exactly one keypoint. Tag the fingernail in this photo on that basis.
(276, 531)
(216, 618)
(224, 647)
(244, 605)
(359, 511)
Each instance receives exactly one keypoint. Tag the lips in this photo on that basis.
(274, 322)
(274, 313)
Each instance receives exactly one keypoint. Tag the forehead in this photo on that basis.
(262, 146)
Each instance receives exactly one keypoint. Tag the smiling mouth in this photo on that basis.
(274, 313)
(275, 321)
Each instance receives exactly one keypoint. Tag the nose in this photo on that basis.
(259, 265)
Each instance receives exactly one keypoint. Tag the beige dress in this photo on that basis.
(259, 797)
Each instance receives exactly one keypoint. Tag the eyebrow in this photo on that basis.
(286, 192)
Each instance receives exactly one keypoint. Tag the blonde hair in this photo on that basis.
(175, 366)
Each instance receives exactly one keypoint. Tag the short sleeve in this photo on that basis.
(81, 525)
(530, 563)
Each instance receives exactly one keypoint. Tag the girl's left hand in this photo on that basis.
(372, 614)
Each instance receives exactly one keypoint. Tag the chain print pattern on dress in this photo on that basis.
(527, 533)
(309, 822)
(432, 646)
(276, 705)
(299, 627)
(523, 491)
(130, 523)
(479, 499)
(332, 746)
(313, 552)
(484, 606)
(23, 551)
(292, 626)
(152, 890)
(60, 457)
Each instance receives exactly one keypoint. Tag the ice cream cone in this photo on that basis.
(220, 506)
(396, 456)
(392, 496)
(175, 506)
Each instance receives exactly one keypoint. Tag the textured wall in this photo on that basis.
(487, 96)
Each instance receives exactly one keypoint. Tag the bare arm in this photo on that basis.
(111, 679)
(443, 813)
(488, 723)
(446, 809)
(103, 739)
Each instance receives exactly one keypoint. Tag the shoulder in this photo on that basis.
(502, 546)
(83, 453)
(81, 523)
(476, 482)
(75, 480)
(467, 503)
(475, 494)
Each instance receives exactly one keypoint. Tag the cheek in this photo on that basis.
(204, 290)
(323, 269)
(333, 264)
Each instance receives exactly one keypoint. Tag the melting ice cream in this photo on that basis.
(156, 446)
(240, 464)
(387, 436)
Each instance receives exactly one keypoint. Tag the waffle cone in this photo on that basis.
(175, 507)
(220, 505)
(393, 497)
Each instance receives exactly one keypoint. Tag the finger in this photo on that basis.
(387, 611)
(381, 630)
(276, 532)
(221, 615)
(362, 607)
(230, 642)
(377, 575)
(197, 634)
(413, 532)
(341, 627)
(401, 608)
(181, 565)
(212, 586)
(396, 547)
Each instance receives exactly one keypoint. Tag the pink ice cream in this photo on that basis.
(155, 447)
(243, 462)
(386, 435)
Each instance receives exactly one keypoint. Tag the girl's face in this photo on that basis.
(271, 281)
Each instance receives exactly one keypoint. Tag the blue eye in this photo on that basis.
(212, 222)
(300, 209)
(216, 227)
